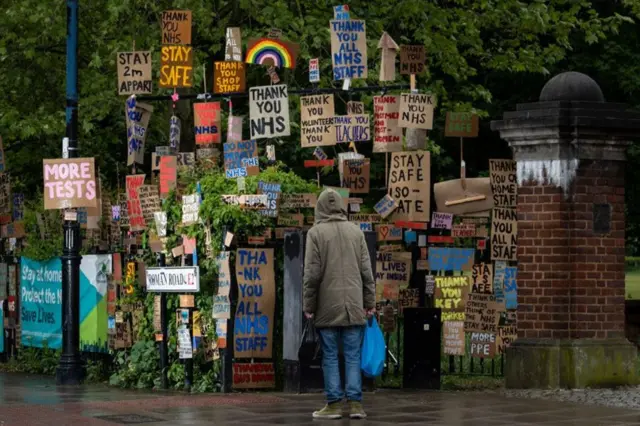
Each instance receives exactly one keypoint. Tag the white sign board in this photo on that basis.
(183, 279)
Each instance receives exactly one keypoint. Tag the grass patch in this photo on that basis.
(632, 284)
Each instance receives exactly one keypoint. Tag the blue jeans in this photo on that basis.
(352, 347)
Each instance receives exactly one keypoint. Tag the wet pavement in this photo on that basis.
(35, 401)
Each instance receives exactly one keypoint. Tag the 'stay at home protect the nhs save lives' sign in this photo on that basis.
(173, 279)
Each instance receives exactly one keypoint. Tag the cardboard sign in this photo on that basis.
(389, 233)
(504, 234)
(221, 302)
(482, 313)
(149, 201)
(389, 50)
(68, 183)
(352, 128)
(441, 220)
(175, 129)
(453, 338)
(461, 124)
(229, 77)
(176, 27)
(365, 217)
(356, 176)
(137, 116)
(206, 117)
(463, 230)
(506, 336)
(248, 201)
(241, 159)
(160, 219)
(291, 220)
(319, 163)
(234, 128)
(483, 345)
(450, 296)
(317, 121)
(348, 49)
(233, 45)
(408, 298)
(314, 70)
(253, 331)
(272, 191)
(355, 108)
(504, 182)
(393, 272)
(511, 287)
(134, 73)
(416, 110)
(134, 206)
(190, 209)
(412, 59)
(498, 279)
(387, 133)
(410, 185)
(385, 206)
(168, 174)
(451, 259)
(298, 201)
(186, 160)
(176, 69)
(254, 375)
(269, 111)
(482, 278)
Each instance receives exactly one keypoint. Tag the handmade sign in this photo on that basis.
(221, 302)
(365, 217)
(134, 73)
(506, 336)
(451, 259)
(160, 219)
(504, 182)
(149, 201)
(416, 110)
(206, 117)
(183, 279)
(453, 338)
(463, 230)
(229, 77)
(393, 271)
(234, 128)
(482, 278)
(474, 198)
(348, 49)
(441, 220)
(317, 121)
(134, 205)
(450, 296)
(253, 331)
(429, 284)
(385, 206)
(314, 70)
(483, 345)
(341, 12)
(389, 233)
(272, 191)
(176, 27)
(298, 201)
(137, 116)
(352, 128)
(255, 375)
(510, 287)
(356, 176)
(389, 50)
(68, 183)
(168, 174)
(176, 68)
(498, 279)
(291, 220)
(355, 108)
(269, 111)
(410, 185)
(412, 59)
(207, 156)
(461, 124)
(272, 52)
(175, 128)
(247, 201)
(186, 160)
(387, 133)
(408, 298)
(190, 209)
(504, 234)
(233, 45)
(482, 313)
(241, 159)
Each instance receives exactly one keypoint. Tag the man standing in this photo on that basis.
(339, 293)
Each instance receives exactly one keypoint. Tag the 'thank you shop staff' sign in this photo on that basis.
(185, 279)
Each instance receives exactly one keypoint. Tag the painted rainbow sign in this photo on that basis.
(267, 51)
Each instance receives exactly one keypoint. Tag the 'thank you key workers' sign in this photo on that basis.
(253, 327)
(69, 183)
(184, 279)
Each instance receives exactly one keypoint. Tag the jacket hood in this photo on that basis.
(329, 207)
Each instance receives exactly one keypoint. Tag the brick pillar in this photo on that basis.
(570, 149)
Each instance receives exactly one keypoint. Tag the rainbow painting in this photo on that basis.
(267, 51)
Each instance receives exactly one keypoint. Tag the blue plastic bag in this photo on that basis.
(374, 350)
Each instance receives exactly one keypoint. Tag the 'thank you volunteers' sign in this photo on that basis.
(174, 279)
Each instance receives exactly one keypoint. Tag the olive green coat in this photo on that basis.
(338, 281)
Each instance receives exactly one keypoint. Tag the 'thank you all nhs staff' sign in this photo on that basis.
(184, 279)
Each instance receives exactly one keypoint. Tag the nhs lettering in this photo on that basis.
(253, 327)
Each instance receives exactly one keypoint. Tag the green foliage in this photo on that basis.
(138, 367)
(33, 361)
(44, 240)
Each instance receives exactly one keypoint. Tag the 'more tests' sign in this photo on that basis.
(69, 183)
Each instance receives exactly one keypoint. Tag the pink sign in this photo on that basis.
(441, 220)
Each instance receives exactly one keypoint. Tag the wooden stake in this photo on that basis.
(318, 175)
(412, 80)
(463, 171)
(386, 170)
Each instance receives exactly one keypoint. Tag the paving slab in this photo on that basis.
(36, 401)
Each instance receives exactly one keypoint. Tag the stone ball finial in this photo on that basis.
(571, 86)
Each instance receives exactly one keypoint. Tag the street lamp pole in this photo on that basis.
(71, 369)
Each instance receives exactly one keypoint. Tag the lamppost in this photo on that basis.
(71, 369)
